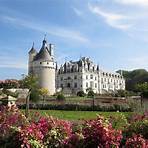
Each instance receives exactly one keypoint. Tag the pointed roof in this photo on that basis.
(44, 52)
(32, 50)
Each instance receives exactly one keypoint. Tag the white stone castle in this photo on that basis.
(72, 76)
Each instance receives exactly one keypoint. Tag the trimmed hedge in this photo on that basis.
(76, 107)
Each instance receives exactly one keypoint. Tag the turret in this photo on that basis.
(51, 46)
(32, 54)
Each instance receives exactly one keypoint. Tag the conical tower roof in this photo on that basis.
(32, 50)
(44, 52)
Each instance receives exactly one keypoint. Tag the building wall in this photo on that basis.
(45, 72)
(100, 81)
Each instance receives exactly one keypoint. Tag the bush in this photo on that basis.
(47, 132)
(91, 93)
(80, 93)
(60, 97)
(35, 95)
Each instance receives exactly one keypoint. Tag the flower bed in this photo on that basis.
(47, 132)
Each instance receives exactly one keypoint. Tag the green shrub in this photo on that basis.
(35, 95)
(91, 93)
(80, 93)
(60, 97)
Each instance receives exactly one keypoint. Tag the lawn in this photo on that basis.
(77, 115)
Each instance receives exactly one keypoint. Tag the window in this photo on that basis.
(75, 85)
(91, 84)
(86, 84)
(95, 85)
(61, 78)
(91, 76)
(95, 78)
(61, 85)
(86, 77)
(75, 77)
(101, 80)
(68, 85)
(69, 78)
(40, 62)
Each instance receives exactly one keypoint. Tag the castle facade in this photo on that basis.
(72, 76)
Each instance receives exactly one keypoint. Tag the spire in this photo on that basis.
(33, 45)
(32, 50)
(98, 67)
(44, 36)
(44, 40)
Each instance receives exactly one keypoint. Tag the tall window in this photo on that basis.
(86, 84)
(75, 85)
(86, 77)
(91, 76)
(95, 85)
(68, 85)
(61, 85)
(91, 84)
(75, 77)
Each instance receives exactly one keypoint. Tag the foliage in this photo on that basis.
(35, 95)
(47, 132)
(91, 93)
(9, 83)
(43, 91)
(121, 93)
(78, 107)
(134, 77)
(136, 141)
(143, 89)
(99, 133)
(60, 97)
(81, 94)
(30, 82)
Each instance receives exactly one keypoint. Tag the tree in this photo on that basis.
(29, 82)
(43, 92)
(80, 93)
(143, 89)
(134, 77)
(60, 97)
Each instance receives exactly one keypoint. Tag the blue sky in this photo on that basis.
(114, 33)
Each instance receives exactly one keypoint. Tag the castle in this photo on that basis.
(72, 76)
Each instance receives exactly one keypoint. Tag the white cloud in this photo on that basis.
(112, 19)
(52, 30)
(133, 2)
(77, 11)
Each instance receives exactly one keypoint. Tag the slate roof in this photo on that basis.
(44, 52)
(32, 50)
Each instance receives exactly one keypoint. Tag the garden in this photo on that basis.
(115, 130)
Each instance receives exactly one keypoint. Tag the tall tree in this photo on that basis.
(43, 92)
(29, 82)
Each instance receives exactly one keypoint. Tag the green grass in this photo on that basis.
(77, 115)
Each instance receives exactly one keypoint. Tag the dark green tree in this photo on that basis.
(143, 89)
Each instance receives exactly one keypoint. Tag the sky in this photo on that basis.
(113, 33)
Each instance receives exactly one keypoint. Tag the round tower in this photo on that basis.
(32, 54)
(44, 67)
